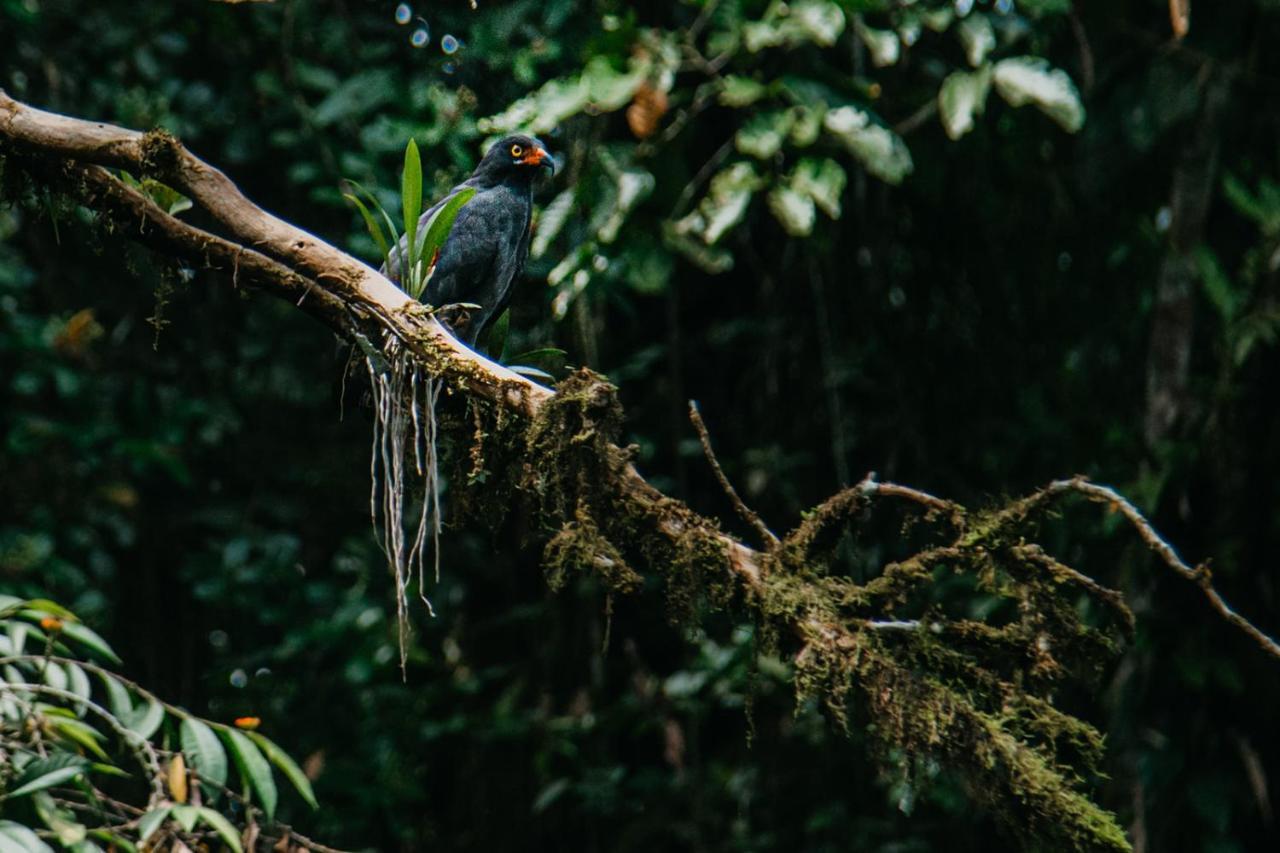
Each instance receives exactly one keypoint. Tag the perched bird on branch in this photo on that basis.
(486, 250)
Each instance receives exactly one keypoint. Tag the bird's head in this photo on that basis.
(519, 157)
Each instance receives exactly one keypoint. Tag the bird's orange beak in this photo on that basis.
(539, 156)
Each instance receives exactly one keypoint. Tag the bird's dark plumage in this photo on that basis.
(486, 250)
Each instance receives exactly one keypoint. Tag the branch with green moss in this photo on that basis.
(935, 683)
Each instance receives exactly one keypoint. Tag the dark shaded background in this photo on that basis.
(995, 322)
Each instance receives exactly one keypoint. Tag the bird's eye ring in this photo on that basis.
(516, 150)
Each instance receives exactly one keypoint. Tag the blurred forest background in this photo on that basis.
(762, 208)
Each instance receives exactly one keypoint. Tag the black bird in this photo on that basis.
(486, 250)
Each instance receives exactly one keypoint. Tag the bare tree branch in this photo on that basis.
(745, 512)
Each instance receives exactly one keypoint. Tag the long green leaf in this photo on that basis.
(253, 768)
(150, 822)
(375, 230)
(47, 780)
(144, 720)
(393, 235)
(117, 696)
(88, 638)
(186, 816)
(82, 734)
(440, 225)
(119, 842)
(16, 837)
(287, 766)
(223, 827)
(411, 202)
(205, 751)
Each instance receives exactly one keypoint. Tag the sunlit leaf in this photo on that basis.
(724, 205)
(762, 136)
(794, 210)
(978, 38)
(438, 228)
(737, 91)
(883, 45)
(1030, 80)
(881, 151)
(962, 97)
(821, 180)
(81, 734)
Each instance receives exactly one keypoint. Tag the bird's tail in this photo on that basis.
(404, 409)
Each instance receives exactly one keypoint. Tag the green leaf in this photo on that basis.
(883, 45)
(118, 842)
(118, 700)
(88, 638)
(762, 136)
(978, 38)
(253, 768)
(1030, 80)
(68, 830)
(738, 92)
(881, 151)
(45, 607)
(204, 751)
(962, 97)
(19, 839)
(794, 210)
(48, 778)
(724, 206)
(372, 226)
(288, 767)
(82, 734)
(53, 675)
(78, 682)
(437, 232)
(150, 822)
(144, 719)
(223, 827)
(18, 632)
(411, 202)
(823, 181)
(186, 816)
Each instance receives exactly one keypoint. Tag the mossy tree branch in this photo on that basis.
(938, 685)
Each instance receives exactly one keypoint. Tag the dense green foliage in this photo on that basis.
(987, 301)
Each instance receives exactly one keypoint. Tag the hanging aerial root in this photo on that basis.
(404, 422)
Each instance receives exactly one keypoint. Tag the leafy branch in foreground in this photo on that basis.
(94, 761)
